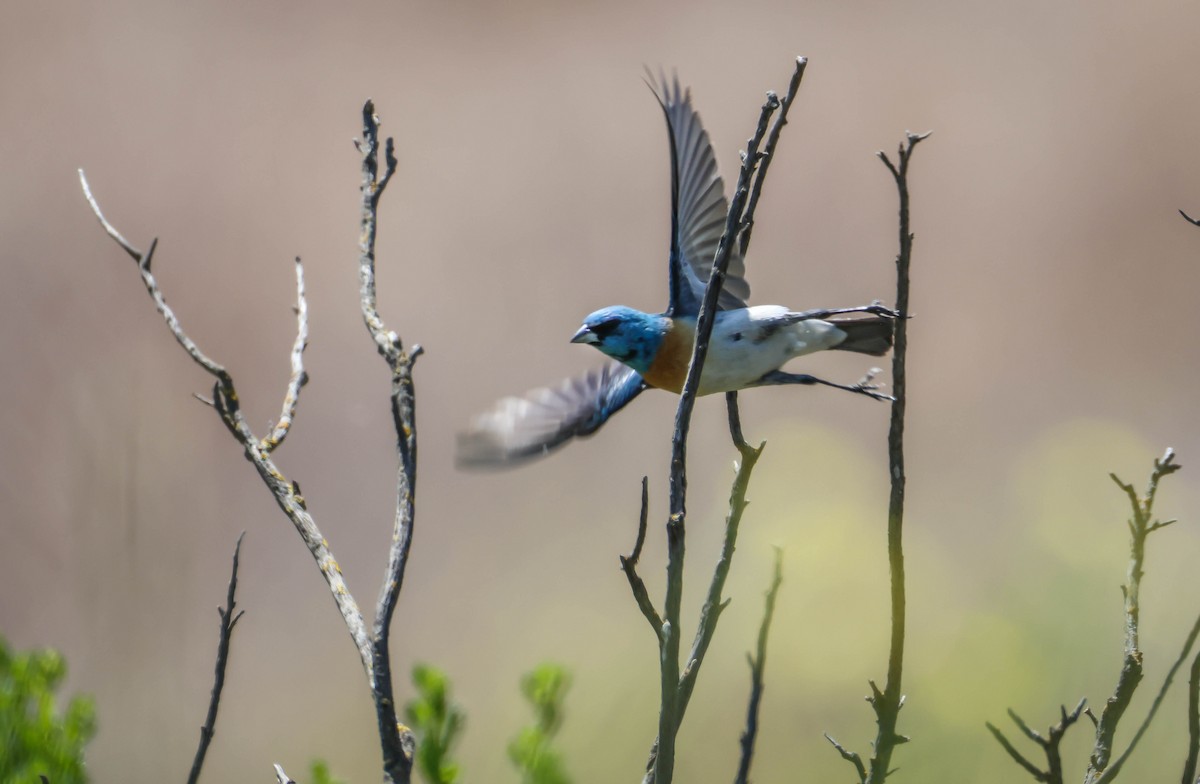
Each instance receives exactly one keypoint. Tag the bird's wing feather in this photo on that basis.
(698, 208)
(520, 428)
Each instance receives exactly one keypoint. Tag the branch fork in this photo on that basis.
(372, 643)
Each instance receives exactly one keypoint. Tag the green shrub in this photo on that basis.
(531, 751)
(35, 740)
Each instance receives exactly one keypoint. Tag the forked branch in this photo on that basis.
(1049, 743)
(676, 687)
(1104, 765)
(1141, 525)
(227, 404)
(396, 741)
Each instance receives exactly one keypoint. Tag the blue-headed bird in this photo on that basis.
(748, 347)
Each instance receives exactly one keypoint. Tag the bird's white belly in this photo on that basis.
(749, 343)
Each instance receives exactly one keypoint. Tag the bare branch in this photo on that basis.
(1141, 524)
(887, 703)
(1050, 743)
(850, 756)
(1033, 770)
(672, 702)
(111, 230)
(714, 604)
(1111, 773)
(373, 185)
(629, 566)
(299, 377)
(143, 261)
(228, 620)
(397, 741)
(758, 663)
(768, 154)
(1030, 733)
(227, 404)
(1193, 716)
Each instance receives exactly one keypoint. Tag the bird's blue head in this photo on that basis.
(625, 334)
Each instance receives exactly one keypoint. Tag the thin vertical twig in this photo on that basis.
(1189, 766)
(229, 619)
(758, 664)
(887, 704)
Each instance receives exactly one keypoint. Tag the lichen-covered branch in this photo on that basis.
(225, 400)
(291, 398)
(1115, 768)
(397, 741)
(1141, 525)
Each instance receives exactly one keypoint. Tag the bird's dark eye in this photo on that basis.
(605, 328)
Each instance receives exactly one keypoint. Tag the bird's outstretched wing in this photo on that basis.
(698, 208)
(521, 428)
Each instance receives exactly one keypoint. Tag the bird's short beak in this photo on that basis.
(585, 335)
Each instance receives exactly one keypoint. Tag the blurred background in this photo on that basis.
(1054, 286)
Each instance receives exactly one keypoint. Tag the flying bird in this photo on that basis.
(748, 347)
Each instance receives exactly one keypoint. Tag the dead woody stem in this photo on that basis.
(372, 644)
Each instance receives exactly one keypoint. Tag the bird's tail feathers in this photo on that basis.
(866, 335)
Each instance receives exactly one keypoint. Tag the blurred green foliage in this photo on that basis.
(35, 740)
(531, 751)
(437, 723)
(319, 772)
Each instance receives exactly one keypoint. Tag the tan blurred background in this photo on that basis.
(1055, 289)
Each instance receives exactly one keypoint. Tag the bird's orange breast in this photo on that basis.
(669, 368)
